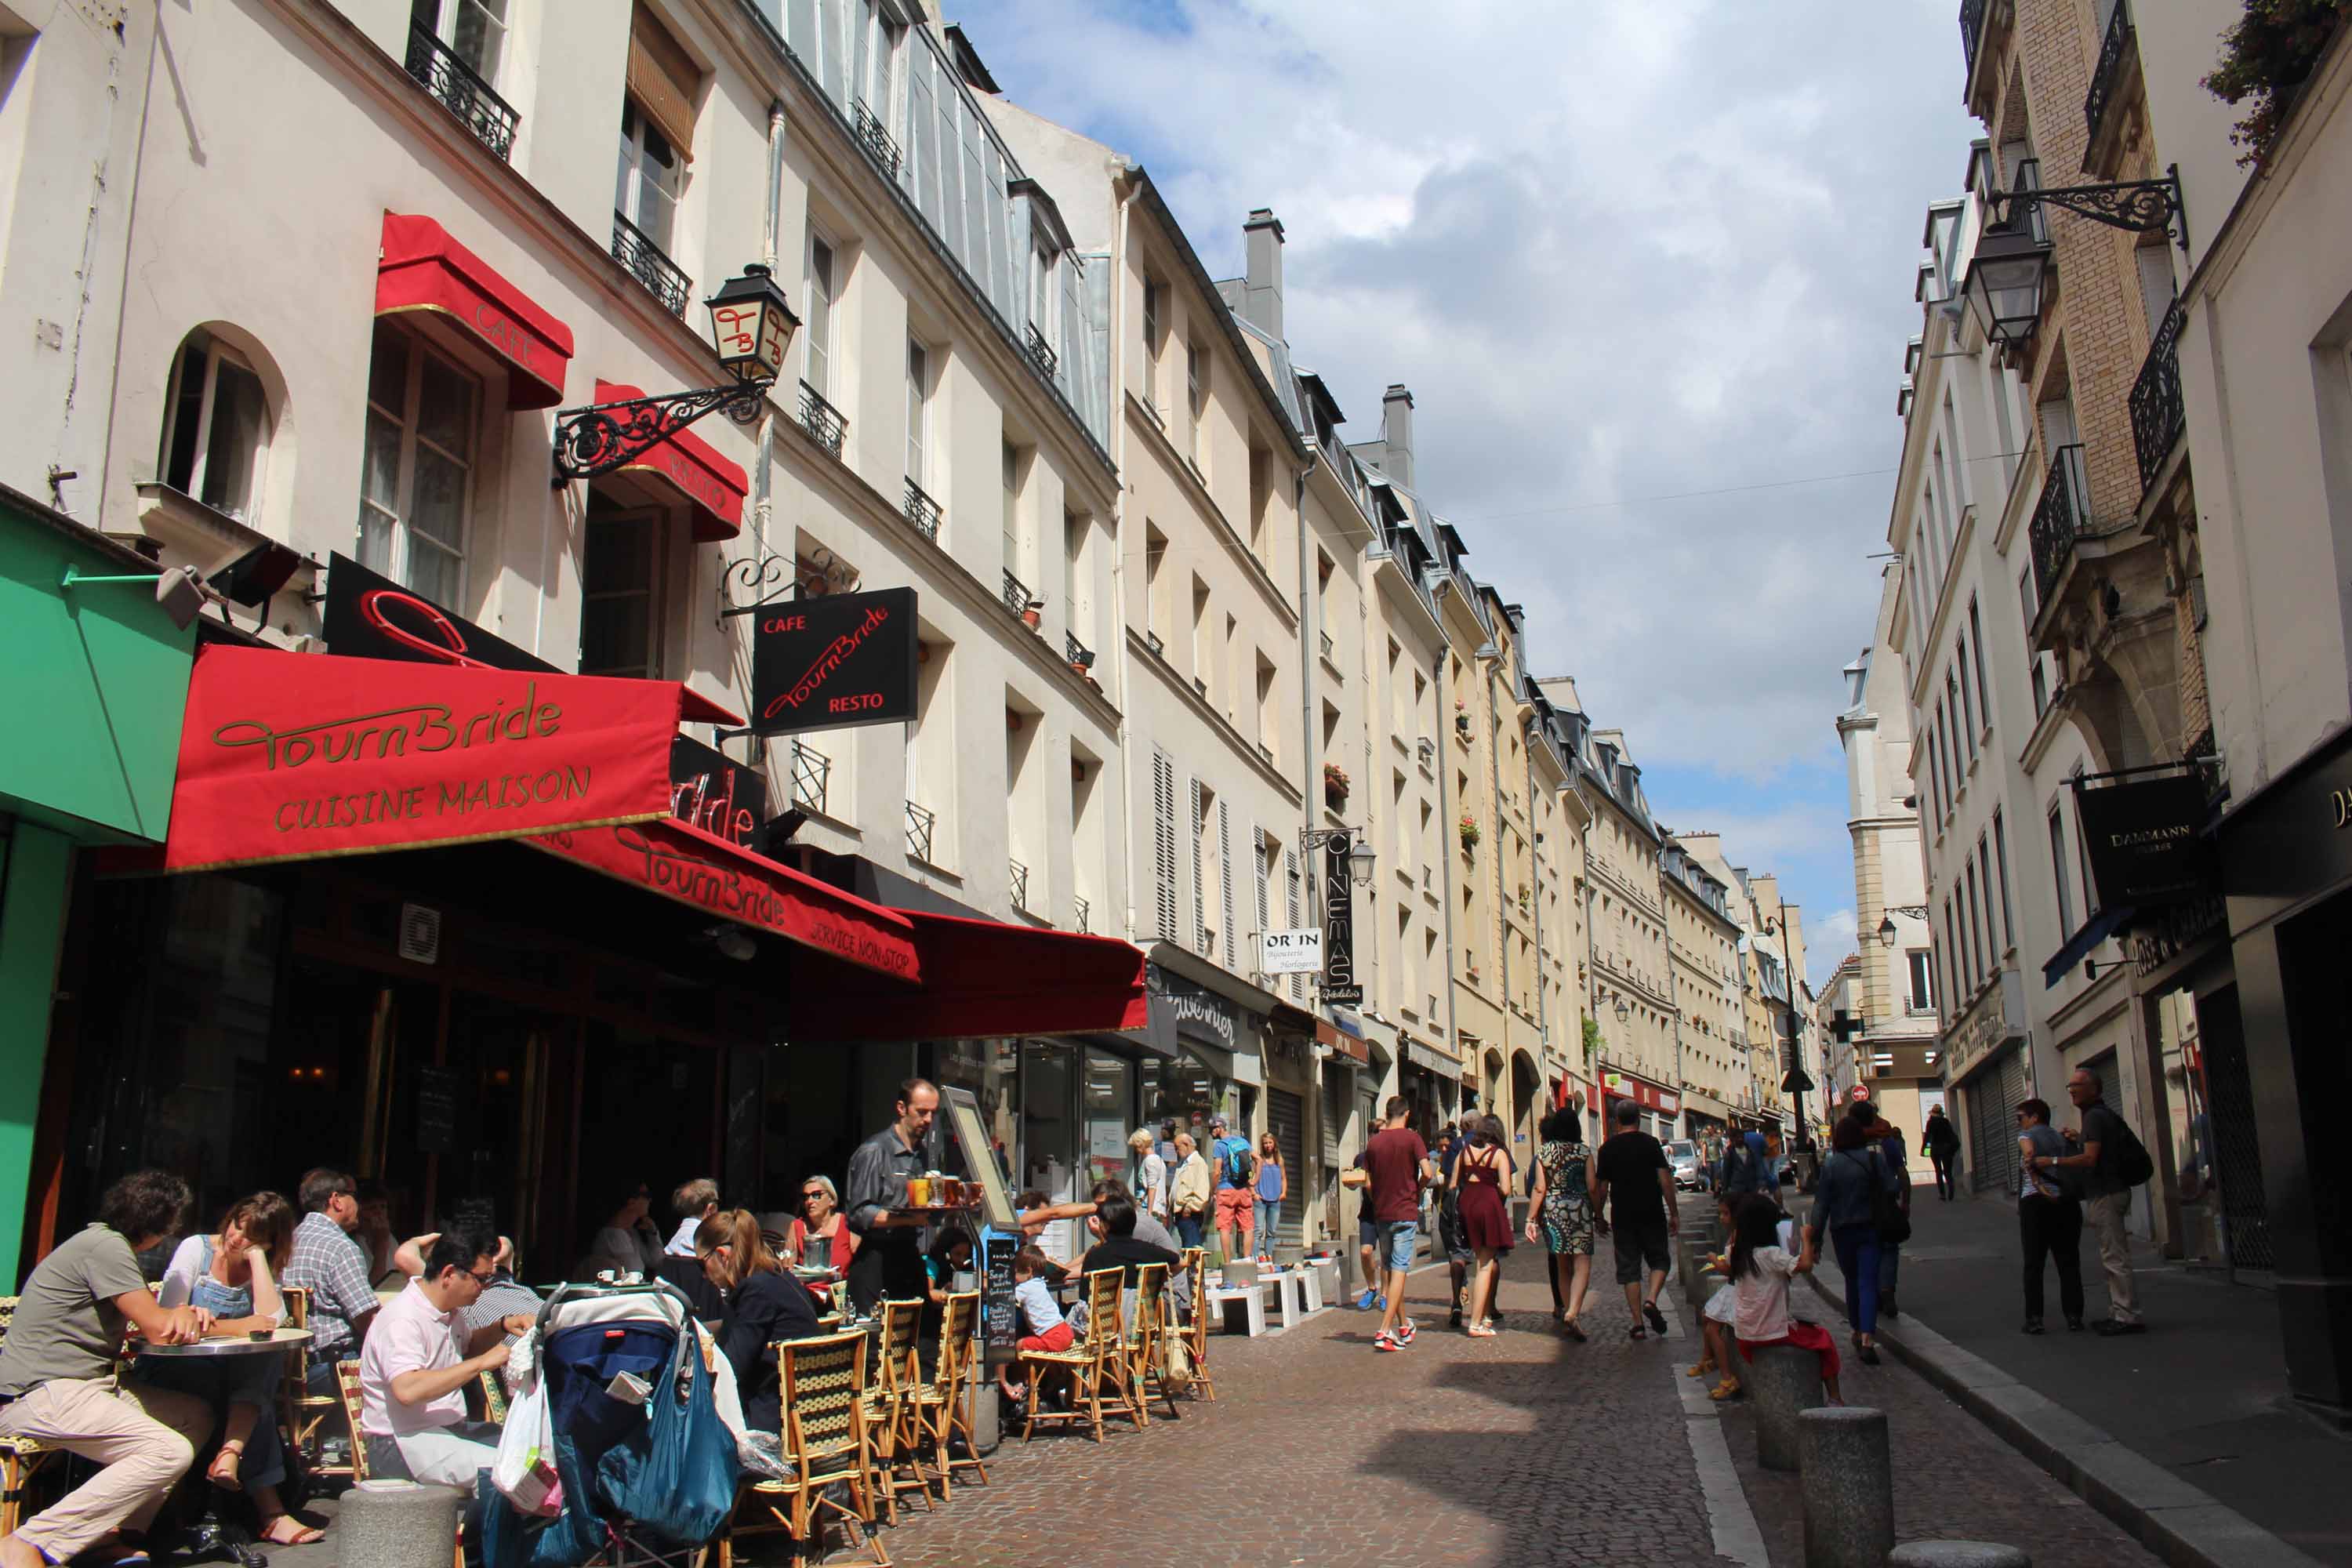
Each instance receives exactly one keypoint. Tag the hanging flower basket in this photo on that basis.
(1468, 830)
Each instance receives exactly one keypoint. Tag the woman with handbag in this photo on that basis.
(1851, 1199)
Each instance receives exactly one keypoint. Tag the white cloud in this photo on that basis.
(1623, 249)
(1826, 944)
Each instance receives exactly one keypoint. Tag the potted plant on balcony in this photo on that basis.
(1468, 830)
(1031, 613)
(1335, 786)
(1083, 662)
(1462, 718)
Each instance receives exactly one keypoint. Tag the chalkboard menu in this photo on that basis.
(436, 1109)
(1000, 1327)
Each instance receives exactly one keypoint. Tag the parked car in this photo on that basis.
(1689, 1165)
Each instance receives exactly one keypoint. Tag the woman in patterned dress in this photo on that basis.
(1560, 1205)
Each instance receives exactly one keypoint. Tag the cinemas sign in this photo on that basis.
(833, 662)
(371, 616)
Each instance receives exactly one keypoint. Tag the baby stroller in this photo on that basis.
(646, 1465)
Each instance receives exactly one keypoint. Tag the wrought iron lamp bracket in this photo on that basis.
(758, 577)
(2141, 206)
(603, 436)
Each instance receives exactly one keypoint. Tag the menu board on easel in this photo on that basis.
(999, 1328)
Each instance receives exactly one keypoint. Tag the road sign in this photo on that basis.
(1293, 952)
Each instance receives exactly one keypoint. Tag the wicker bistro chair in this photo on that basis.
(943, 1406)
(1195, 1330)
(826, 1443)
(1140, 1349)
(305, 1412)
(21, 1458)
(1091, 1365)
(890, 1409)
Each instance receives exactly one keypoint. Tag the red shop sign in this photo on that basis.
(292, 757)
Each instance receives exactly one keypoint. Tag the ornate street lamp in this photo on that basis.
(1362, 860)
(1886, 922)
(751, 325)
(2004, 284)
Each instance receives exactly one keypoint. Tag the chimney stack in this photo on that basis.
(1261, 286)
(1396, 435)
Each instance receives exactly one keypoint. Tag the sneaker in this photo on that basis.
(2115, 1328)
(1367, 1301)
(2073, 1325)
(1405, 1331)
(1380, 1303)
(2033, 1325)
(1385, 1340)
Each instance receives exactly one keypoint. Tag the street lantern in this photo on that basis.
(2004, 284)
(1887, 931)
(1362, 862)
(751, 324)
(1623, 1012)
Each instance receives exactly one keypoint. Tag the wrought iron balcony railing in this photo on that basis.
(923, 512)
(875, 140)
(920, 823)
(1017, 596)
(454, 84)
(1972, 15)
(663, 279)
(1080, 654)
(828, 426)
(2157, 413)
(2060, 519)
(812, 772)
(1084, 911)
(2110, 69)
(1020, 884)
(1041, 351)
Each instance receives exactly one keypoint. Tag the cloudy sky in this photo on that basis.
(1646, 265)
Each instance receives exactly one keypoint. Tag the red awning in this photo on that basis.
(693, 467)
(424, 270)
(981, 978)
(296, 756)
(700, 869)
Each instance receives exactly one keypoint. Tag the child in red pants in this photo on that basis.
(1042, 1327)
(1761, 1268)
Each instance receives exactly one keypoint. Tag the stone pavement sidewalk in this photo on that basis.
(2193, 1414)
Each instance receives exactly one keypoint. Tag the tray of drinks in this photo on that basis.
(941, 1194)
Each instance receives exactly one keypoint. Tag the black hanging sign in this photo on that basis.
(833, 662)
(1339, 984)
(2145, 840)
(371, 616)
(716, 793)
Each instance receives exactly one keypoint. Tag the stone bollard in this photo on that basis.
(1849, 1487)
(1957, 1554)
(1782, 1381)
(398, 1524)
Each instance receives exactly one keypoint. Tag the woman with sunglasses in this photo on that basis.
(817, 1238)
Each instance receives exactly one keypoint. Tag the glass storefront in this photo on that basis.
(1109, 1112)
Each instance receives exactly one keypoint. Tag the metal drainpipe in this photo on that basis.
(1453, 1031)
(1502, 910)
(1306, 751)
(1116, 373)
(1674, 982)
(1535, 868)
(1592, 961)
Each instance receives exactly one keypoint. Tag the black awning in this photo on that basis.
(2100, 927)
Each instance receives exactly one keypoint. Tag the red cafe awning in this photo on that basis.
(981, 978)
(693, 467)
(689, 865)
(424, 270)
(296, 756)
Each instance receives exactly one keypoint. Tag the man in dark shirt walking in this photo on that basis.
(889, 1261)
(1632, 1166)
(1943, 1140)
(1399, 1164)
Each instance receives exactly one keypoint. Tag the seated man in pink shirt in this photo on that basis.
(413, 1372)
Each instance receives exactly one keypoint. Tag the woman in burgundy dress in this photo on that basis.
(1482, 1174)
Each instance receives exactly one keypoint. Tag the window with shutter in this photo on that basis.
(1262, 872)
(1163, 837)
(1226, 876)
(1291, 892)
(1200, 882)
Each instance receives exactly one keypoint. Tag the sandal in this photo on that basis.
(1576, 1330)
(1639, 1333)
(228, 1481)
(1725, 1390)
(1480, 1331)
(304, 1534)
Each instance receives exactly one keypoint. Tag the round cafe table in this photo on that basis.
(208, 1535)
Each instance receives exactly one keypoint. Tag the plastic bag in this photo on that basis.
(524, 1470)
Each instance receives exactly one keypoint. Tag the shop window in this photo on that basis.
(620, 591)
(217, 426)
(416, 474)
(473, 31)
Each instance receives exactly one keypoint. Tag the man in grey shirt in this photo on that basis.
(2109, 1200)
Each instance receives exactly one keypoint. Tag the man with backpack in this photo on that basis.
(2113, 1161)
(1237, 1200)
(1743, 1169)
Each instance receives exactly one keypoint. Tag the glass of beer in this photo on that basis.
(919, 1191)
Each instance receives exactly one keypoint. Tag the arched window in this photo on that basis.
(216, 427)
